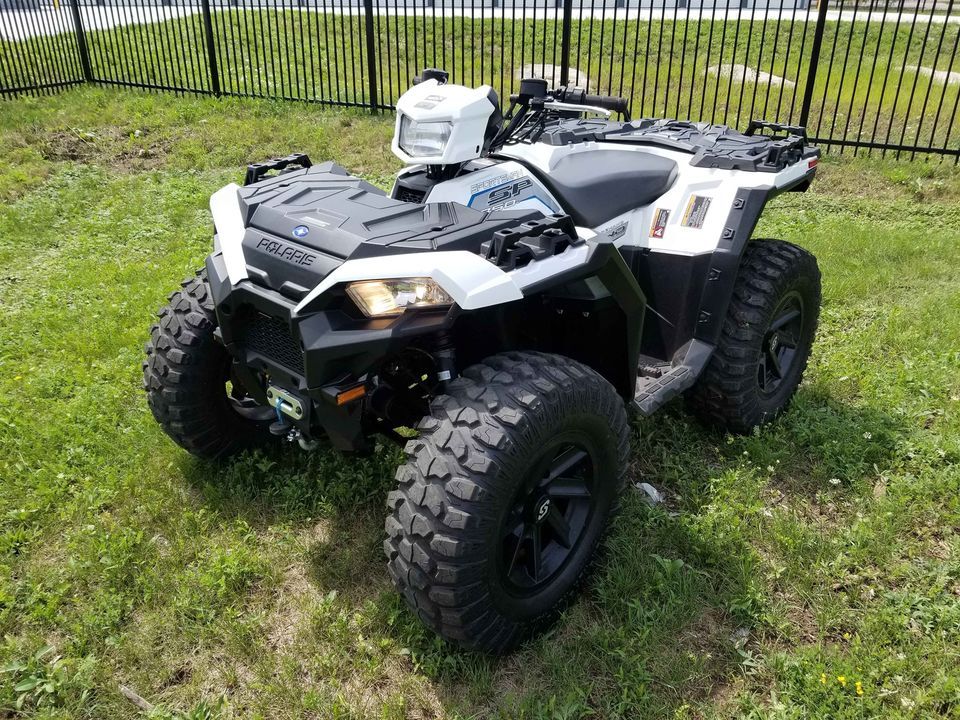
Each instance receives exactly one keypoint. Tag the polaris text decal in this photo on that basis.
(286, 252)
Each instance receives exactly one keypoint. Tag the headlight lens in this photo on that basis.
(423, 139)
(383, 298)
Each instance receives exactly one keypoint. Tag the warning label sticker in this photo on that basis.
(660, 218)
(696, 211)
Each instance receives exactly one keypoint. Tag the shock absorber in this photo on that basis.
(446, 358)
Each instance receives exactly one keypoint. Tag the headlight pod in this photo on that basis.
(423, 139)
(387, 298)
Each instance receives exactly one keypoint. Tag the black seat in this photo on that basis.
(597, 186)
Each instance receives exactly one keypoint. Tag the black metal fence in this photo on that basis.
(860, 74)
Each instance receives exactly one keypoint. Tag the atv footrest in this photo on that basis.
(656, 388)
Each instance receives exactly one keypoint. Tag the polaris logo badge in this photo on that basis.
(301, 231)
(286, 252)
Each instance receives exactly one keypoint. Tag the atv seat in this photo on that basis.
(596, 186)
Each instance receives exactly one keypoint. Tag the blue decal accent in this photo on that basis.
(552, 207)
(301, 231)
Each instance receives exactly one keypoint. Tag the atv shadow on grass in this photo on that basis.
(677, 603)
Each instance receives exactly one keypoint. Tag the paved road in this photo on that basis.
(22, 24)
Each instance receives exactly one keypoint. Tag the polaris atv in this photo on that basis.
(528, 281)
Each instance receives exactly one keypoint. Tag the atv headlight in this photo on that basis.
(423, 139)
(382, 298)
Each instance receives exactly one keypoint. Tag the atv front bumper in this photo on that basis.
(315, 357)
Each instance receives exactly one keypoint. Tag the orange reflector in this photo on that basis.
(354, 393)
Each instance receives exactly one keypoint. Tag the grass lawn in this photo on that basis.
(809, 571)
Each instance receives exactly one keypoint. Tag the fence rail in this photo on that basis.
(861, 75)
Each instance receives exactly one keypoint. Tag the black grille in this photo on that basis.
(271, 337)
(410, 195)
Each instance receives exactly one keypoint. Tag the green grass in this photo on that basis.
(862, 89)
(823, 547)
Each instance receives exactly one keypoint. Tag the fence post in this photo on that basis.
(814, 61)
(565, 42)
(211, 50)
(371, 55)
(81, 41)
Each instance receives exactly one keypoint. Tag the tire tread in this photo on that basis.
(726, 394)
(440, 511)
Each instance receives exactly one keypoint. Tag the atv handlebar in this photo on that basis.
(578, 96)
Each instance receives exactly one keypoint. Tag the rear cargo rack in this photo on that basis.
(712, 146)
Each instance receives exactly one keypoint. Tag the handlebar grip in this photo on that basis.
(608, 102)
(579, 97)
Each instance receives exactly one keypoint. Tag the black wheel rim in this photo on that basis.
(549, 516)
(781, 344)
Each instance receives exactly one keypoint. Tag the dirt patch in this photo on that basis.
(708, 633)
(347, 556)
(117, 147)
(418, 699)
(294, 597)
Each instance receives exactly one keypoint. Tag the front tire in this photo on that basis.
(765, 341)
(505, 496)
(187, 377)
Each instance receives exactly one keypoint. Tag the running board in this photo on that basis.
(657, 385)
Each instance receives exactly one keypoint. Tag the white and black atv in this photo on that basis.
(527, 282)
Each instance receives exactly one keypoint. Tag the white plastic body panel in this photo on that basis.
(468, 110)
(718, 186)
(470, 280)
(228, 221)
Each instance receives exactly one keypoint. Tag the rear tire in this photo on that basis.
(484, 546)
(185, 376)
(765, 341)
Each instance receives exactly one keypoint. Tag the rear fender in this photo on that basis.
(725, 259)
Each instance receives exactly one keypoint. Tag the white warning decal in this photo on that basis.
(696, 212)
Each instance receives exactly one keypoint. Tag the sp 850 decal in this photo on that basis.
(509, 192)
(514, 188)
